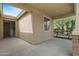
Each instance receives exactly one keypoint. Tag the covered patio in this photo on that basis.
(29, 29)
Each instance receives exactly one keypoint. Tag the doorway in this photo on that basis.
(9, 29)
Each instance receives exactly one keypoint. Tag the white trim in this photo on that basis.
(21, 13)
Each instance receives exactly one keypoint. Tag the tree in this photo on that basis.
(65, 25)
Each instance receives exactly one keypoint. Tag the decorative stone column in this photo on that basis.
(75, 45)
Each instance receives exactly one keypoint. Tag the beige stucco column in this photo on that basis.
(75, 40)
(1, 23)
(16, 28)
(1, 28)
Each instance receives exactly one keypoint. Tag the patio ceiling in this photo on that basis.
(54, 9)
(50, 9)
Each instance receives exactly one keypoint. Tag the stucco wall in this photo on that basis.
(39, 33)
(25, 27)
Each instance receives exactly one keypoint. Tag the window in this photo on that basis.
(46, 24)
(9, 10)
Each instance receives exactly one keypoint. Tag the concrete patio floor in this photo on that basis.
(18, 47)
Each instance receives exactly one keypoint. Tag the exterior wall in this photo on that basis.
(39, 33)
(25, 27)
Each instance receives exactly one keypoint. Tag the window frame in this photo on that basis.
(49, 24)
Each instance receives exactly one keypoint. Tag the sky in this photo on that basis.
(11, 10)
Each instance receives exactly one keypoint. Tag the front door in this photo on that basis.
(9, 29)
